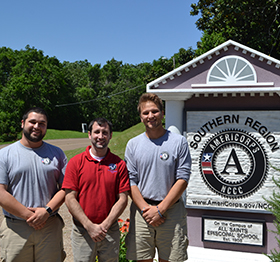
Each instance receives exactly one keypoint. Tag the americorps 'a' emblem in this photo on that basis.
(233, 163)
(46, 161)
(164, 156)
(112, 166)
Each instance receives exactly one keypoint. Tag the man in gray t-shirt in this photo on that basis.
(159, 166)
(31, 174)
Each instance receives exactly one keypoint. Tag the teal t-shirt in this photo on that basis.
(33, 175)
(154, 165)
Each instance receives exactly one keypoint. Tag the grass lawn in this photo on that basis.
(117, 143)
(61, 134)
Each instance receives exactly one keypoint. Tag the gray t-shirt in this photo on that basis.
(155, 165)
(33, 176)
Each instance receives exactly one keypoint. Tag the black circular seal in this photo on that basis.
(233, 163)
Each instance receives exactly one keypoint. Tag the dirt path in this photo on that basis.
(69, 144)
(66, 144)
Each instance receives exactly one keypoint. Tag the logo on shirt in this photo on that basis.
(46, 161)
(233, 164)
(112, 167)
(164, 156)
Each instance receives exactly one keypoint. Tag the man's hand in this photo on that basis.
(96, 232)
(39, 217)
(152, 217)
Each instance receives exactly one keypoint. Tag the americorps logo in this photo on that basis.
(234, 119)
(233, 163)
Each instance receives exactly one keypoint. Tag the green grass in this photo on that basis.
(117, 143)
(57, 134)
(61, 134)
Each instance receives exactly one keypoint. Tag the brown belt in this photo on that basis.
(154, 202)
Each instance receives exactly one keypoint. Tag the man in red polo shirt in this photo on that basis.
(96, 184)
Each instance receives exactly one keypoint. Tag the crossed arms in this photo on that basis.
(35, 217)
(96, 231)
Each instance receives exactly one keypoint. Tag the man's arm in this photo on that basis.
(173, 195)
(153, 213)
(96, 232)
(11, 205)
(150, 213)
(116, 210)
(40, 214)
(138, 198)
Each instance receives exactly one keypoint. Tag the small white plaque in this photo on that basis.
(244, 232)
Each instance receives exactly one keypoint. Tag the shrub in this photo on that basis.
(274, 202)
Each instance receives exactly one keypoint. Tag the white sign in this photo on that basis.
(233, 231)
(232, 153)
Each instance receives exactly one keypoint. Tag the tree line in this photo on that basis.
(75, 92)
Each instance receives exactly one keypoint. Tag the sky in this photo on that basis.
(131, 31)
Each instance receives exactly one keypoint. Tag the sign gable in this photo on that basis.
(228, 68)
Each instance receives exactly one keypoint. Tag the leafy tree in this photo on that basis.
(7, 61)
(112, 91)
(79, 86)
(254, 23)
(120, 88)
(123, 100)
(30, 79)
(274, 202)
(111, 71)
(183, 56)
(208, 42)
(74, 93)
(164, 65)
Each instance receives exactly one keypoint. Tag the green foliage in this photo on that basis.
(74, 93)
(208, 42)
(28, 78)
(254, 23)
(123, 249)
(274, 202)
(63, 134)
(164, 65)
(117, 143)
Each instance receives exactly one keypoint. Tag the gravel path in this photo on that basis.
(69, 144)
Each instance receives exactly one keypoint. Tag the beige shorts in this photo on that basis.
(86, 250)
(20, 242)
(170, 238)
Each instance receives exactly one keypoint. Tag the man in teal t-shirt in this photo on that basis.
(31, 174)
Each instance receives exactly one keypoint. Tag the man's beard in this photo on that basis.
(28, 136)
(96, 145)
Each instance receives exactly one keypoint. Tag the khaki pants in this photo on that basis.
(20, 242)
(170, 238)
(86, 250)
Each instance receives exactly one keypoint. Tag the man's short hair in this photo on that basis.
(149, 97)
(37, 110)
(100, 121)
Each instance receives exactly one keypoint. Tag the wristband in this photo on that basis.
(49, 210)
(159, 213)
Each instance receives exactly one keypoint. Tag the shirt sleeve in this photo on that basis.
(183, 169)
(3, 169)
(63, 164)
(71, 175)
(124, 179)
(131, 164)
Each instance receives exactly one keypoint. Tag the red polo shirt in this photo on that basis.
(97, 183)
